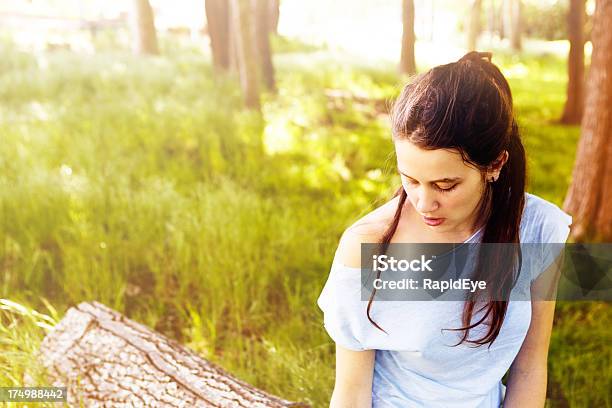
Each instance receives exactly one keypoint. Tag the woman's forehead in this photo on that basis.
(434, 164)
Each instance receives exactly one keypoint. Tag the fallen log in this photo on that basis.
(108, 360)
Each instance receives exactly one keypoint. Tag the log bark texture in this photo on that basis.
(108, 360)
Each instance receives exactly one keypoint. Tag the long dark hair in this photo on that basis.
(467, 105)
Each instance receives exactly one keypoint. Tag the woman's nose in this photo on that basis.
(426, 202)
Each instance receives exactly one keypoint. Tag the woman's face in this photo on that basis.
(442, 188)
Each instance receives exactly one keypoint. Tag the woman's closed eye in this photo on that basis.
(444, 189)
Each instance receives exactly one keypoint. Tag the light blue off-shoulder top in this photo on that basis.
(415, 363)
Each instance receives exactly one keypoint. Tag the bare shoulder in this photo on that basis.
(368, 229)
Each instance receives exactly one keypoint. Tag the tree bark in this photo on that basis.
(233, 51)
(107, 360)
(145, 37)
(516, 29)
(432, 21)
(263, 27)
(474, 24)
(274, 13)
(501, 19)
(407, 61)
(574, 105)
(512, 26)
(241, 12)
(217, 17)
(588, 198)
(491, 26)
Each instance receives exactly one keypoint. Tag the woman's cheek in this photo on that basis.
(464, 203)
(407, 188)
(410, 193)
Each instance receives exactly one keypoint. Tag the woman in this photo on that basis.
(463, 172)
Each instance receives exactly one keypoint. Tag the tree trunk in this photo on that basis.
(233, 50)
(432, 21)
(474, 24)
(217, 17)
(516, 25)
(263, 27)
(145, 38)
(512, 23)
(407, 62)
(491, 26)
(107, 360)
(502, 19)
(588, 198)
(274, 10)
(574, 105)
(498, 11)
(242, 23)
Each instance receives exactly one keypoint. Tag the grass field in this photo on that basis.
(141, 184)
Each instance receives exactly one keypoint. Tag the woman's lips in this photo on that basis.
(433, 221)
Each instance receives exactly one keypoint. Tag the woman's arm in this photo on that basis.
(526, 386)
(527, 379)
(354, 371)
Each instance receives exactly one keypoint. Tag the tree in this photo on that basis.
(474, 24)
(407, 61)
(491, 18)
(574, 105)
(244, 45)
(217, 17)
(239, 33)
(263, 28)
(274, 9)
(588, 198)
(512, 23)
(145, 41)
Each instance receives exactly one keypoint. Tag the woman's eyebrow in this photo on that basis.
(444, 180)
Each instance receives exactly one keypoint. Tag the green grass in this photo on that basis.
(21, 330)
(140, 183)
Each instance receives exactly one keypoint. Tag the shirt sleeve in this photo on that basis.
(344, 312)
(555, 231)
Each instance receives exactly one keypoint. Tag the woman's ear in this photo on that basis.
(497, 165)
(501, 160)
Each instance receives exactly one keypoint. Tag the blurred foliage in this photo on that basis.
(141, 183)
(282, 44)
(547, 20)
